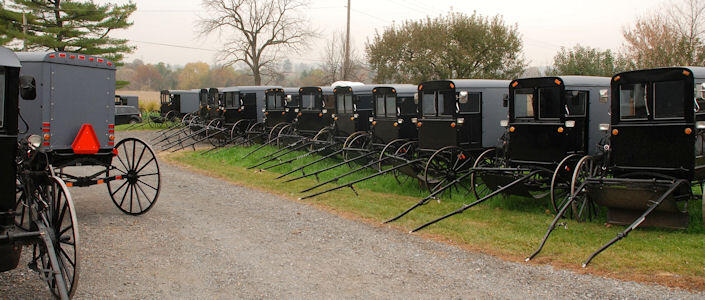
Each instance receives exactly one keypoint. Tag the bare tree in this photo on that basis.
(257, 31)
(688, 19)
(335, 61)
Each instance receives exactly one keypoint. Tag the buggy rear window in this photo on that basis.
(632, 102)
(379, 106)
(293, 101)
(2, 97)
(391, 103)
(668, 99)
(549, 103)
(272, 101)
(524, 103)
(472, 105)
(231, 100)
(575, 102)
(308, 101)
(428, 104)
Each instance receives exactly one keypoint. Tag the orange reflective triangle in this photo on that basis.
(86, 142)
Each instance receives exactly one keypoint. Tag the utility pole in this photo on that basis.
(346, 60)
(24, 32)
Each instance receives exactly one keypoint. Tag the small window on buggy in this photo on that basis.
(307, 101)
(550, 103)
(699, 96)
(632, 102)
(428, 104)
(391, 106)
(472, 105)
(379, 106)
(348, 103)
(271, 101)
(669, 99)
(524, 103)
(575, 102)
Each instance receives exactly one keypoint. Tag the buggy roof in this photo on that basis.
(402, 89)
(67, 58)
(358, 89)
(472, 83)
(9, 58)
(571, 80)
(291, 90)
(257, 88)
(698, 72)
(325, 90)
(180, 91)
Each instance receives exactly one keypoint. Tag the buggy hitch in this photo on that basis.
(296, 158)
(353, 171)
(167, 137)
(350, 184)
(247, 141)
(331, 167)
(483, 199)
(553, 225)
(287, 147)
(638, 221)
(164, 131)
(218, 131)
(301, 168)
(180, 142)
(273, 158)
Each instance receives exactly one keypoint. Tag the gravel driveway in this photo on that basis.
(207, 238)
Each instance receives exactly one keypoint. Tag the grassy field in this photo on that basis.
(510, 228)
(149, 100)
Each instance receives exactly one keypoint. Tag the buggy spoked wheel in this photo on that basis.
(256, 133)
(58, 254)
(138, 189)
(358, 145)
(238, 131)
(487, 159)
(184, 120)
(322, 138)
(215, 133)
(275, 130)
(284, 135)
(561, 181)
(582, 208)
(194, 124)
(405, 152)
(444, 166)
(389, 150)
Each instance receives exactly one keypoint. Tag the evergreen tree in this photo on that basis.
(66, 25)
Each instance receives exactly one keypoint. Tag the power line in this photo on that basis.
(174, 46)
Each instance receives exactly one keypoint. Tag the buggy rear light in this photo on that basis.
(615, 131)
(81, 57)
(504, 123)
(320, 115)
(111, 125)
(110, 64)
(115, 151)
(52, 55)
(283, 113)
(100, 60)
(374, 123)
(47, 137)
(452, 125)
(606, 127)
(512, 129)
(560, 129)
(72, 56)
(700, 125)
(688, 130)
(419, 124)
(570, 123)
(62, 54)
(395, 124)
(86, 142)
(91, 59)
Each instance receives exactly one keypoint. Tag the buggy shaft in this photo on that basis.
(311, 163)
(349, 172)
(292, 149)
(331, 167)
(483, 199)
(296, 158)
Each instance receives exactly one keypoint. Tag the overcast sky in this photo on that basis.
(544, 25)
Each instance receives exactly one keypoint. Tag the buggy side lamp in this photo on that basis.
(700, 125)
(400, 121)
(460, 121)
(372, 119)
(512, 129)
(296, 110)
(504, 123)
(570, 123)
(264, 110)
(414, 120)
(356, 116)
(325, 111)
(688, 130)
(34, 141)
(604, 127)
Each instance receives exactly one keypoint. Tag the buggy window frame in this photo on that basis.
(682, 103)
(622, 116)
(539, 93)
(570, 113)
(304, 98)
(529, 104)
(273, 97)
(380, 111)
(475, 108)
(3, 77)
(232, 100)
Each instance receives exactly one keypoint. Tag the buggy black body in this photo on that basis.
(73, 112)
(353, 109)
(36, 209)
(244, 107)
(394, 110)
(208, 108)
(316, 110)
(177, 104)
(552, 123)
(133, 101)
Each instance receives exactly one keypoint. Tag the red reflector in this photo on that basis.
(46, 124)
(118, 177)
(110, 64)
(46, 129)
(72, 56)
(91, 59)
(86, 141)
(62, 54)
(111, 131)
(115, 152)
(100, 60)
(46, 144)
(52, 55)
(81, 57)
(111, 125)
(69, 184)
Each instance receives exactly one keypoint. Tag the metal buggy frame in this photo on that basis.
(73, 113)
(548, 130)
(35, 205)
(652, 156)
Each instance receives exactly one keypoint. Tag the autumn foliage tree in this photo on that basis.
(452, 46)
(581, 60)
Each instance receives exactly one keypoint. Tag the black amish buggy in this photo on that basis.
(454, 126)
(35, 205)
(175, 105)
(653, 154)
(546, 133)
(129, 100)
(74, 113)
